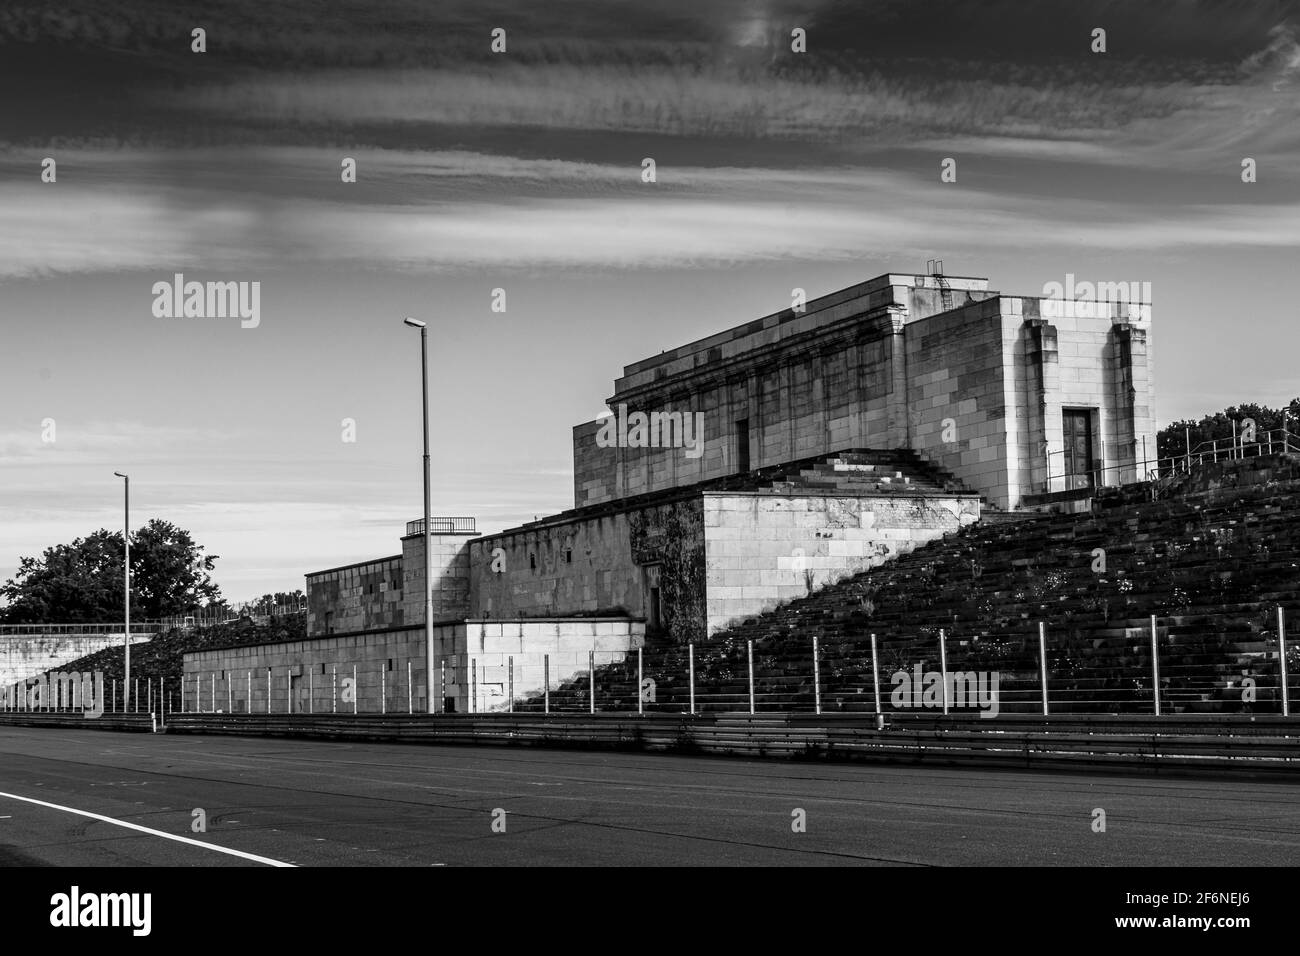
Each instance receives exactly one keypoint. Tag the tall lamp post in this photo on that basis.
(126, 539)
(428, 552)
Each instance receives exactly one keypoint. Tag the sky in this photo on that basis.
(522, 171)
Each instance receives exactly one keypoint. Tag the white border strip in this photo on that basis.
(158, 833)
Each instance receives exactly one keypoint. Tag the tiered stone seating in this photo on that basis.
(1212, 564)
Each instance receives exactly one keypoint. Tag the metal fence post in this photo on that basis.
(1155, 666)
(268, 690)
(473, 686)
(115, 694)
(546, 683)
(510, 678)
(162, 700)
(943, 668)
(248, 704)
(383, 690)
(640, 697)
(410, 693)
(230, 694)
(817, 679)
(591, 680)
(442, 681)
(1042, 661)
(136, 695)
(356, 690)
(875, 684)
(311, 690)
(690, 669)
(334, 692)
(1281, 648)
(749, 657)
(214, 692)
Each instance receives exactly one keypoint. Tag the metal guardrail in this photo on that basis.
(793, 736)
(442, 526)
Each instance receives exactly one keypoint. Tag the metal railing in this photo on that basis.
(1156, 668)
(442, 526)
(1273, 442)
(77, 630)
(257, 611)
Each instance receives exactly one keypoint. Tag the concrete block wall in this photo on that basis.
(369, 671)
(451, 590)
(817, 399)
(957, 374)
(762, 550)
(26, 655)
(890, 363)
(582, 566)
(562, 649)
(317, 675)
(1104, 366)
(807, 383)
(598, 565)
(355, 597)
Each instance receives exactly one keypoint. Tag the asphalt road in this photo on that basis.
(318, 803)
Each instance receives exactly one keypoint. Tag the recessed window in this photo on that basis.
(532, 561)
(568, 556)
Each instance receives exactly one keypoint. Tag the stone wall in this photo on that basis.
(806, 383)
(764, 549)
(604, 564)
(27, 655)
(957, 396)
(970, 378)
(451, 591)
(355, 597)
(384, 670)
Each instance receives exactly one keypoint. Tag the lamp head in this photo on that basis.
(413, 323)
(119, 474)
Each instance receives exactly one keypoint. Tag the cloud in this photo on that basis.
(491, 212)
(99, 442)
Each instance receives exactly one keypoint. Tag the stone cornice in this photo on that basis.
(848, 332)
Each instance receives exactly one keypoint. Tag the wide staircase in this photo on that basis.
(1212, 564)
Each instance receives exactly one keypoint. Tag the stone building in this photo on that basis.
(751, 466)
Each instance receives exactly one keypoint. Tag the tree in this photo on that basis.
(1172, 439)
(81, 582)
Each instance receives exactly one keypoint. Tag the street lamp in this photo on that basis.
(428, 552)
(126, 539)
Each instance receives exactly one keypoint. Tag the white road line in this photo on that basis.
(158, 833)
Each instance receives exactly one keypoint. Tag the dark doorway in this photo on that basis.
(1076, 426)
(742, 444)
(656, 611)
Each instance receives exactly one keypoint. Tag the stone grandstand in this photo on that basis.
(1212, 559)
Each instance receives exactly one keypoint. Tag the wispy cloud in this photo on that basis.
(489, 211)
